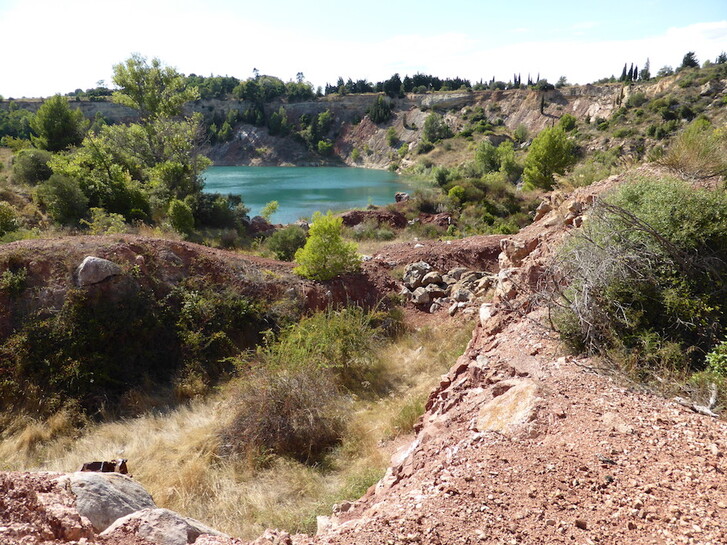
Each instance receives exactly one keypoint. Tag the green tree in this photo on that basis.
(645, 74)
(435, 128)
(8, 218)
(392, 86)
(380, 111)
(551, 152)
(57, 125)
(285, 242)
(391, 138)
(486, 157)
(31, 166)
(690, 61)
(567, 122)
(63, 198)
(325, 254)
(269, 209)
(180, 217)
(151, 88)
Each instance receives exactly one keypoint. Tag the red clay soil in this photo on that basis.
(593, 459)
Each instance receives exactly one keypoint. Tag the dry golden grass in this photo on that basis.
(174, 454)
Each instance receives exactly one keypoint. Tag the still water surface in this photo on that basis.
(304, 190)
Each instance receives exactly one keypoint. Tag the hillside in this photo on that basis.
(631, 118)
(518, 444)
(529, 348)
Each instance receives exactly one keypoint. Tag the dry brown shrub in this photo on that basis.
(294, 413)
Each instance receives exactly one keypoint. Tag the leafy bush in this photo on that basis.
(325, 147)
(435, 128)
(647, 276)
(103, 223)
(340, 341)
(269, 209)
(180, 217)
(63, 198)
(567, 122)
(97, 348)
(717, 360)
(285, 242)
(325, 254)
(372, 230)
(8, 218)
(13, 281)
(551, 152)
(391, 138)
(636, 99)
(31, 166)
(217, 210)
(521, 134)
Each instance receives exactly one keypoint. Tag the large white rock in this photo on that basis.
(93, 270)
(161, 526)
(514, 405)
(105, 497)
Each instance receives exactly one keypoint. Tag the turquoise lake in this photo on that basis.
(300, 191)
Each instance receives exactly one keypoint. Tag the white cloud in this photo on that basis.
(57, 47)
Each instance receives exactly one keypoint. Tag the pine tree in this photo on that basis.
(623, 74)
(646, 71)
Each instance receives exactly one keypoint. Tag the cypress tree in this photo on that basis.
(636, 73)
(623, 74)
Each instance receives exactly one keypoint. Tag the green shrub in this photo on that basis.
(567, 122)
(325, 147)
(391, 138)
(269, 209)
(717, 360)
(435, 128)
(30, 166)
(285, 242)
(380, 111)
(180, 217)
(647, 276)
(521, 134)
(325, 254)
(13, 281)
(8, 218)
(63, 199)
(551, 152)
(425, 146)
(372, 230)
(355, 155)
(636, 99)
(103, 223)
(97, 348)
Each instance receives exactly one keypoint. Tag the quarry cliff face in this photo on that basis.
(352, 130)
(360, 142)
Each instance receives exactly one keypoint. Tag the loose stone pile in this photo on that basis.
(458, 288)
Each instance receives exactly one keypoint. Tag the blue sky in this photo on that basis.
(53, 46)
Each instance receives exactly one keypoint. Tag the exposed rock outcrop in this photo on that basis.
(105, 497)
(93, 270)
